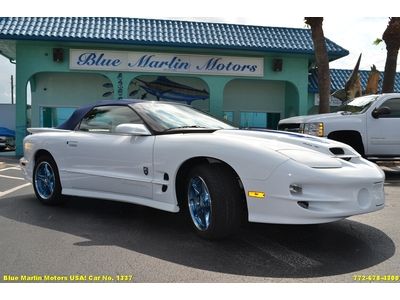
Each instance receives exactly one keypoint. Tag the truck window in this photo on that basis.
(394, 105)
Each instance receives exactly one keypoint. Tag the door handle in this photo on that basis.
(72, 143)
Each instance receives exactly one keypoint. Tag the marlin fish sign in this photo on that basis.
(166, 63)
(163, 88)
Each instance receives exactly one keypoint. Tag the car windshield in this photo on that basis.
(358, 105)
(165, 117)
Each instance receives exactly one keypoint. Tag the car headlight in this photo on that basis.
(315, 129)
(27, 146)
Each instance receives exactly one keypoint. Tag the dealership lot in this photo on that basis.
(88, 239)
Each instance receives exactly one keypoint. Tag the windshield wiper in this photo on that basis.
(185, 127)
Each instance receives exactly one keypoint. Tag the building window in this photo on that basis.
(394, 105)
(259, 120)
(228, 116)
(54, 116)
(253, 119)
(273, 120)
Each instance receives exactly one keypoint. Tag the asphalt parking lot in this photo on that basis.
(94, 240)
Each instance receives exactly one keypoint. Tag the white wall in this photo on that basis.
(66, 90)
(252, 95)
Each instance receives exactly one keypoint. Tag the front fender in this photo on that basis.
(172, 151)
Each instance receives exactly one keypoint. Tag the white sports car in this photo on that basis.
(172, 157)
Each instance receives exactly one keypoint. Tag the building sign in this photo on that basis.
(165, 63)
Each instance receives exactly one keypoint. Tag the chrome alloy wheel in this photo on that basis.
(199, 202)
(45, 181)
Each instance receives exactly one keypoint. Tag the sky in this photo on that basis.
(354, 32)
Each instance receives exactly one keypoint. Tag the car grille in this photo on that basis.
(293, 127)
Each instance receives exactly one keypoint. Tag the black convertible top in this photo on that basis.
(79, 113)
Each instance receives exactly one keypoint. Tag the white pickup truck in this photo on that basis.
(370, 124)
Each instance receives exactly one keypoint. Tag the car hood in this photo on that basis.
(315, 152)
(312, 118)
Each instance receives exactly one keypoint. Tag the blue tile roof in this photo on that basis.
(174, 33)
(340, 76)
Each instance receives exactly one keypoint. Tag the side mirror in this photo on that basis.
(132, 129)
(383, 110)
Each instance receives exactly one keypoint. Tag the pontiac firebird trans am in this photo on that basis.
(172, 157)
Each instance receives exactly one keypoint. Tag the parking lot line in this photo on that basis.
(14, 189)
(10, 168)
(11, 177)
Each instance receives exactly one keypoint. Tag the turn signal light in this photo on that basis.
(255, 194)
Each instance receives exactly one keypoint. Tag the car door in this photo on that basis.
(103, 162)
(383, 132)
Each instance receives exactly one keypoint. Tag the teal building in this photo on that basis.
(250, 75)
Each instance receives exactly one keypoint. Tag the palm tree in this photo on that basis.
(322, 61)
(391, 36)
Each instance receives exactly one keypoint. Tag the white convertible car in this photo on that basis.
(172, 157)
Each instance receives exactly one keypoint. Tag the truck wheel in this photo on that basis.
(351, 138)
(213, 201)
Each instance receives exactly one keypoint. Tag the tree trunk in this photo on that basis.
(390, 71)
(391, 36)
(322, 61)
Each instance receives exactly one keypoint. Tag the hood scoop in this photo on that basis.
(316, 160)
(340, 153)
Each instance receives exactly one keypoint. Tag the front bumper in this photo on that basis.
(7, 142)
(26, 168)
(330, 194)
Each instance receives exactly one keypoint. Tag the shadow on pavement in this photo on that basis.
(392, 178)
(257, 250)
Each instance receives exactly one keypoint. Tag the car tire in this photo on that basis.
(213, 201)
(46, 181)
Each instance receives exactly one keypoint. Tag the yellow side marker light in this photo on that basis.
(255, 194)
